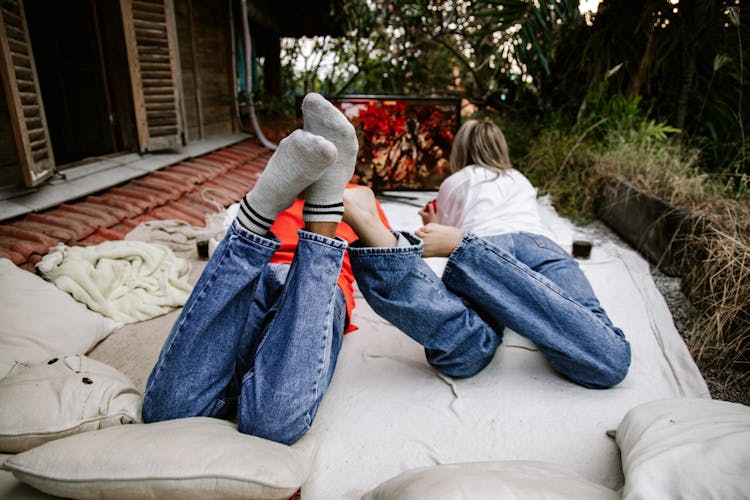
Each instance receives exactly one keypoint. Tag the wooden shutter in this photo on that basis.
(153, 72)
(24, 97)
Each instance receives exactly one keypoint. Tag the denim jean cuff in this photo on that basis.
(466, 240)
(406, 243)
(269, 241)
(336, 242)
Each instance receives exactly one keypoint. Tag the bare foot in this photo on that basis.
(361, 213)
(439, 240)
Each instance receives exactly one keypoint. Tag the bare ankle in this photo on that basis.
(361, 213)
(327, 229)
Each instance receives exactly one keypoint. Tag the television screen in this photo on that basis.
(404, 142)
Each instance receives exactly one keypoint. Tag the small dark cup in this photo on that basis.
(581, 249)
(202, 247)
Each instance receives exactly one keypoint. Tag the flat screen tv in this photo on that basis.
(404, 142)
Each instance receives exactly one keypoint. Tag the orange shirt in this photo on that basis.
(285, 228)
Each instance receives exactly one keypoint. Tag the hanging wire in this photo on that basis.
(249, 80)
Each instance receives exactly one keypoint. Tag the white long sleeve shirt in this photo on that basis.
(484, 202)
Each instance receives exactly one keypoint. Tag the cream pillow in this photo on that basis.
(39, 320)
(686, 448)
(64, 396)
(190, 458)
(509, 480)
(12, 489)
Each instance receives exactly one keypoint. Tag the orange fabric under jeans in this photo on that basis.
(285, 228)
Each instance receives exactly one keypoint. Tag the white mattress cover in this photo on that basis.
(388, 411)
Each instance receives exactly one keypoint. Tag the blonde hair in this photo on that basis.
(480, 142)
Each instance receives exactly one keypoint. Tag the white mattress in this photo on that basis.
(388, 411)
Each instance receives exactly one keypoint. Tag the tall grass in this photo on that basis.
(716, 252)
(559, 165)
(717, 282)
(665, 169)
(572, 166)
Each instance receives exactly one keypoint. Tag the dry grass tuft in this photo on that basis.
(716, 252)
(716, 275)
(667, 170)
(717, 282)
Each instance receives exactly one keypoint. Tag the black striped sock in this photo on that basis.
(323, 197)
(300, 160)
(252, 220)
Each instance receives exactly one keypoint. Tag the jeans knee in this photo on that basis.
(610, 372)
(456, 371)
(620, 366)
(456, 368)
(604, 370)
(287, 434)
(610, 377)
(151, 412)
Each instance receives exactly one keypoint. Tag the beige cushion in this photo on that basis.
(39, 320)
(509, 480)
(12, 489)
(63, 396)
(191, 458)
(686, 448)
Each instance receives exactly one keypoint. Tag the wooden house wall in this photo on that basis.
(206, 76)
(205, 52)
(10, 174)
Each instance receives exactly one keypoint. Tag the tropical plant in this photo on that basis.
(492, 50)
(684, 59)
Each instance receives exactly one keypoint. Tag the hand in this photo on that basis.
(428, 213)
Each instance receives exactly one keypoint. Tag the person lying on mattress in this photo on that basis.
(502, 271)
(259, 337)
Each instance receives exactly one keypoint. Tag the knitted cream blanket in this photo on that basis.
(128, 281)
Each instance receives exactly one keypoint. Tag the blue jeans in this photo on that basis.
(523, 281)
(255, 340)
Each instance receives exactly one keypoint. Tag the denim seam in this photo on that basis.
(325, 245)
(533, 276)
(326, 355)
(540, 243)
(451, 265)
(490, 248)
(384, 252)
(356, 250)
(319, 239)
(247, 236)
(203, 291)
(278, 304)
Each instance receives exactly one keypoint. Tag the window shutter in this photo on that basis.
(24, 97)
(153, 72)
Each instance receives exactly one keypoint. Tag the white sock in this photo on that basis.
(299, 161)
(323, 198)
